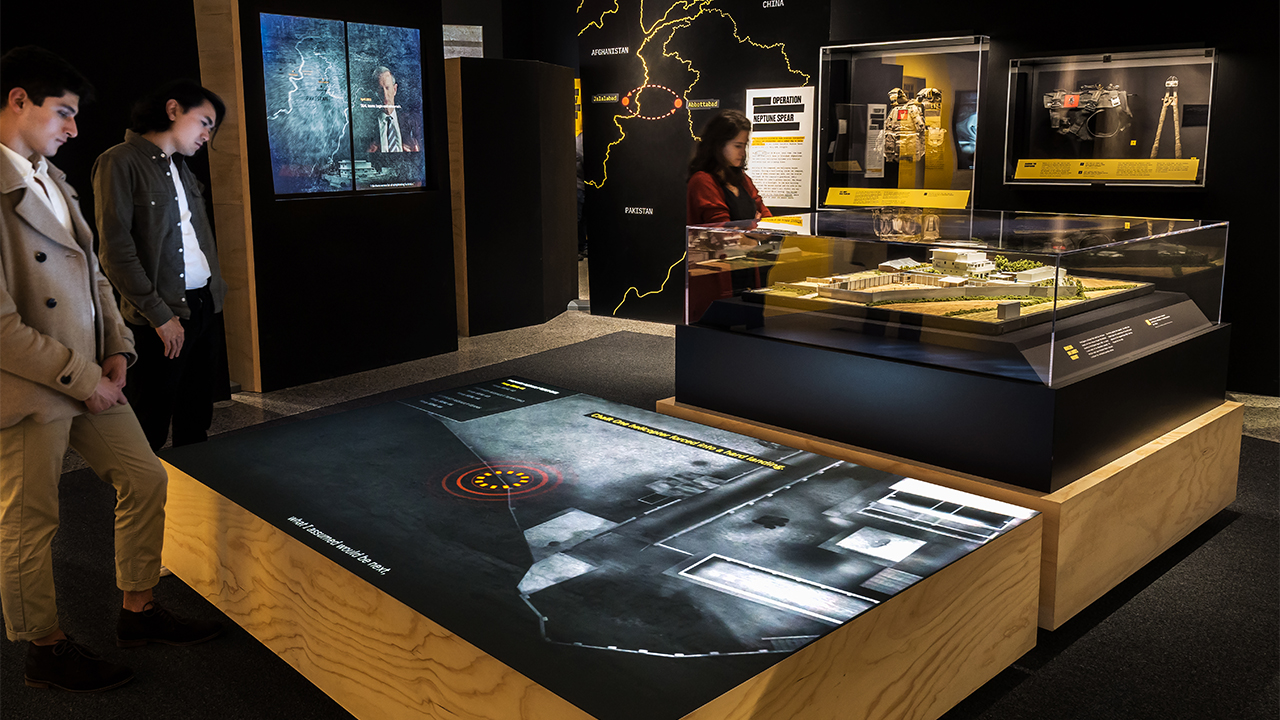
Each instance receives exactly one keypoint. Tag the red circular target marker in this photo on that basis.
(500, 482)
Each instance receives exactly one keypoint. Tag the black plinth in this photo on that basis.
(515, 218)
(1016, 431)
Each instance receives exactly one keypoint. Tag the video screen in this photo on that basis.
(386, 83)
(344, 105)
(965, 118)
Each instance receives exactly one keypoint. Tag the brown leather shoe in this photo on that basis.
(68, 665)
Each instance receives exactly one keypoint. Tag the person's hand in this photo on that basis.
(171, 334)
(114, 369)
(105, 396)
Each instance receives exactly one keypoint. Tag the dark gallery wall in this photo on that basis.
(123, 56)
(540, 31)
(99, 39)
(519, 29)
(343, 284)
(350, 282)
(516, 196)
(1242, 183)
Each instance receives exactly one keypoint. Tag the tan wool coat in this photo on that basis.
(58, 316)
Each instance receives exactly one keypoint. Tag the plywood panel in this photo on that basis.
(1098, 530)
(218, 35)
(1120, 517)
(372, 654)
(457, 189)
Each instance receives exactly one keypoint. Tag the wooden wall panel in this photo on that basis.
(457, 189)
(221, 70)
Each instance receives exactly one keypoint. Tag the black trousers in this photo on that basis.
(179, 390)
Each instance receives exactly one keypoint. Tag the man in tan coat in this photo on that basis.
(63, 356)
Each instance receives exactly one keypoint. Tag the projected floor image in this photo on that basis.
(652, 536)
(581, 541)
(606, 469)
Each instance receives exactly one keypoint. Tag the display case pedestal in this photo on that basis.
(916, 656)
(1099, 529)
(1016, 431)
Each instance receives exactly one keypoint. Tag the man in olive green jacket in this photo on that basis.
(157, 248)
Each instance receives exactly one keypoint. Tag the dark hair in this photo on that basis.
(709, 156)
(149, 114)
(42, 74)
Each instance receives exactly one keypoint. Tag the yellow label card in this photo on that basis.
(772, 140)
(784, 220)
(1142, 169)
(879, 197)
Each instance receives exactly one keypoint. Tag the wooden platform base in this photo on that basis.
(1098, 530)
(914, 656)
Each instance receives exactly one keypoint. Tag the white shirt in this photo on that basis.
(196, 273)
(36, 176)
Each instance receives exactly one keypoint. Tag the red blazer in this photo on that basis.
(705, 200)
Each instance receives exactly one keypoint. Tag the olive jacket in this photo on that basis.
(50, 286)
(141, 240)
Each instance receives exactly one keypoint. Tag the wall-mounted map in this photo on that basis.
(652, 77)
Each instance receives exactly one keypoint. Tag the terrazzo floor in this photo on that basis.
(1261, 415)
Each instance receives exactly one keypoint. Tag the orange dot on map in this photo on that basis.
(626, 100)
(679, 103)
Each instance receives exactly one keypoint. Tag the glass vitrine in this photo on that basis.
(1037, 297)
(899, 122)
(1135, 118)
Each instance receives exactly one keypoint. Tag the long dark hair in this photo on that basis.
(709, 156)
(149, 114)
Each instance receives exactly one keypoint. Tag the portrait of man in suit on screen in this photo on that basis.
(396, 132)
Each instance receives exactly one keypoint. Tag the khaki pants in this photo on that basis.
(30, 465)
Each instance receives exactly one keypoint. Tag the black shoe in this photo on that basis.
(155, 624)
(70, 666)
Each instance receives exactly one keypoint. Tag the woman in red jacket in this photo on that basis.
(719, 190)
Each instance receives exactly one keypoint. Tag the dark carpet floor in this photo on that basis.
(1194, 635)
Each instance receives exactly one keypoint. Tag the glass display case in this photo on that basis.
(899, 122)
(1136, 118)
(953, 316)
(1039, 297)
